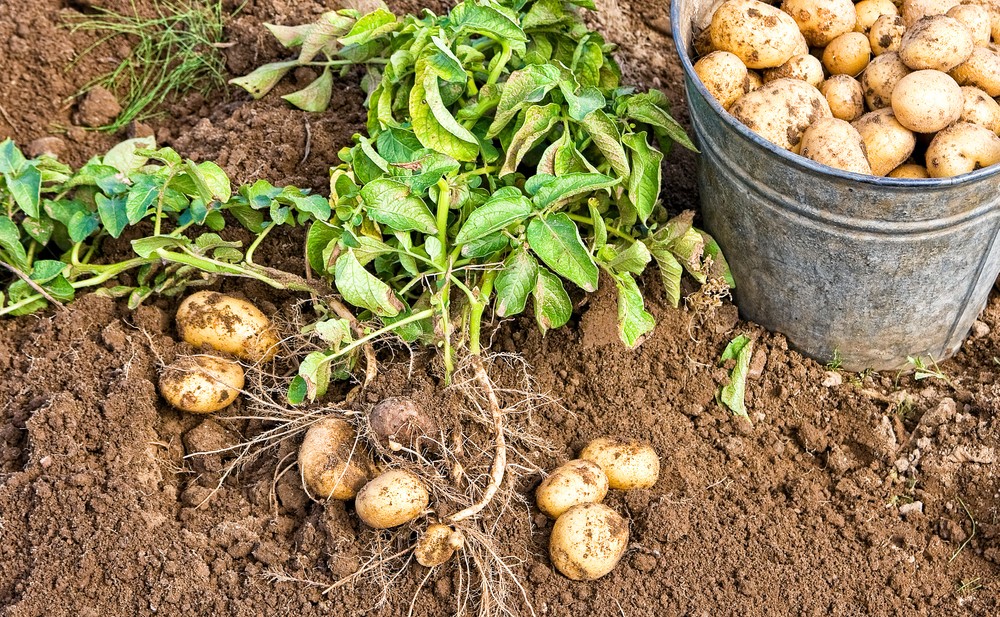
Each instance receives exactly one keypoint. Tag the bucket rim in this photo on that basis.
(797, 160)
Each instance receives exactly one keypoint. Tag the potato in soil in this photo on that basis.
(227, 324)
(332, 462)
(628, 463)
(391, 499)
(201, 384)
(588, 541)
(570, 484)
(398, 421)
(437, 544)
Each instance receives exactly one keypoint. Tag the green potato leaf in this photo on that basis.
(112, 213)
(360, 288)
(644, 183)
(10, 243)
(264, 78)
(515, 283)
(605, 135)
(634, 322)
(556, 240)
(499, 212)
(523, 87)
(538, 121)
(553, 306)
(316, 96)
(392, 203)
(646, 108)
(26, 188)
(433, 124)
(561, 189)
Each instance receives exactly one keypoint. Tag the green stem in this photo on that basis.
(449, 366)
(478, 306)
(586, 220)
(425, 314)
(505, 53)
(256, 242)
(443, 204)
(345, 62)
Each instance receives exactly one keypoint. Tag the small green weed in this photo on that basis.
(836, 362)
(921, 370)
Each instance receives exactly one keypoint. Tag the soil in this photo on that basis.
(847, 494)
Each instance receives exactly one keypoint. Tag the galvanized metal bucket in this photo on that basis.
(866, 269)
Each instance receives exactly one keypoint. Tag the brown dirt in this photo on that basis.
(809, 510)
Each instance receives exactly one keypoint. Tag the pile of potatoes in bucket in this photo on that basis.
(589, 538)
(898, 88)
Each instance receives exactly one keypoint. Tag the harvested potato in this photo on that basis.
(976, 18)
(754, 81)
(821, 21)
(724, 76)
(880, 78)
(886, 34)
(915, 10)
(867, 13)
(391, 499)
(936, 42)
(588, 541)
(332, 462)
(927, 101)
(909, 170)
(628, 463)
(227, 324)
(805, 67)
(962, 148)
(845, 96)
(848, 54)
(981, 70)
(761, 35)
(437, 544)
(993, 8)
(887, 142)
(702, 43)
(201, 384)
(780, 110)
(398, 422)
(572, 483)
(836, 143)
(979, 108)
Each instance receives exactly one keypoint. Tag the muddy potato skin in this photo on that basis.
(993, 8)
(400, 420)
(724, 76)
(570, 484)
(391, 499)
(868, 12)
(981, 70)
(332, 462)
(437, 544)
(226, 324)
(821, 21)
(761, 35)
(780, 110)
(936, 42)
(628, 463)
(887, 142)
(848, 54)
(845, 96)
(915, 10)
(836, 143)
(909, 170)
(201, 384)
(754, 81)
(976, 18)
(805, 67)
(962, 148)
(588, 541)
(979, 108)
(927, 101)
(880, 79)
(886, 34)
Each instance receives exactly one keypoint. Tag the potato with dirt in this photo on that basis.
(845, 96)
(880, 78)
(887, 142)
(915, 10)
(936, 42)
(578, 481)
(867, 12)
(976, 18)
(962, 148)
(805, 67)
(437, 544)
(979, 108)
(628, 463)
(848, 54)
(835, 143)
(392, 499)
(927, 101)
(821, 21)
(780, 110)
(398, 422)
(333, 462)
(981, 70)
(724, 76)
(588, 541)
(227, 324)
(911, 171)
(761, 35)
(886, 34)
(201, 384)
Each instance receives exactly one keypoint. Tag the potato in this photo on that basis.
(848, 54)
(754, 81)
(628, 463)
(927, 101)
(332, 462)
(976, 18)
(227, 324)
(915, 10)
(572, 483)
(398, 422)
(962, 148)
(724, 76)
(909, 170)
(201, 384)
(588, 541)
(936, 42)
(981, 70)
(845, 96)
(761, 35)
(780, 110)
(837, 144)
(821, 21)
(391, 499)
(880, 78)
(887, 142)
(804, 67)
(979, 108)
(886, 34)
(993, 8)
(702, 43)
(868, 11)
(437, 544)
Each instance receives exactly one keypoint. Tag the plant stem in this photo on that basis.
(586, 220)
(445, 306)
(425, 314)
(478, 306)
(443, 204)
(256, 242)
(504, 58)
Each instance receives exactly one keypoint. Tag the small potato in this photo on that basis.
(702, 43)
(880, 79)
(845, 96)
(979, 108)
(837, 144)
(760, 34)
(868, 12)
(399, 422)
(201, 384)
(332, 462)
(588, 541)
(927, 101)
(887, 142)
(915, 10)
(886, 34)
(936, 42)
(227, 324)
(848, 54)
(754, 81)
(437, 544)
(572, 483)
(724, 76)
(391, 499)
(821, 21)
(981, 70)
(976, 18)
(805, 67)
(962, 148)
(628, 463)
(909, 170)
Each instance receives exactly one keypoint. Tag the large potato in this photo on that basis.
(976, 18)
(993, 7)
(805, 67)
(836, 143)
(724, 76)
(227, 324)
(927, 101)
(887, 142)
(391, 499)
(962, 148)
(915, 10)
(780, 110)
(845, 96)
(868, 12)
(886, 34)
(936, 42)
(570, 484)
(981, 70)
(979, 108)
(821, 21)
(759, 34)
(628, 463)
(332, 461)
(588, 541)
(880, 78)
(201, 384)
(848, 54)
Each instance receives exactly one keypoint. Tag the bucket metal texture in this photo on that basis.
(864, 269)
